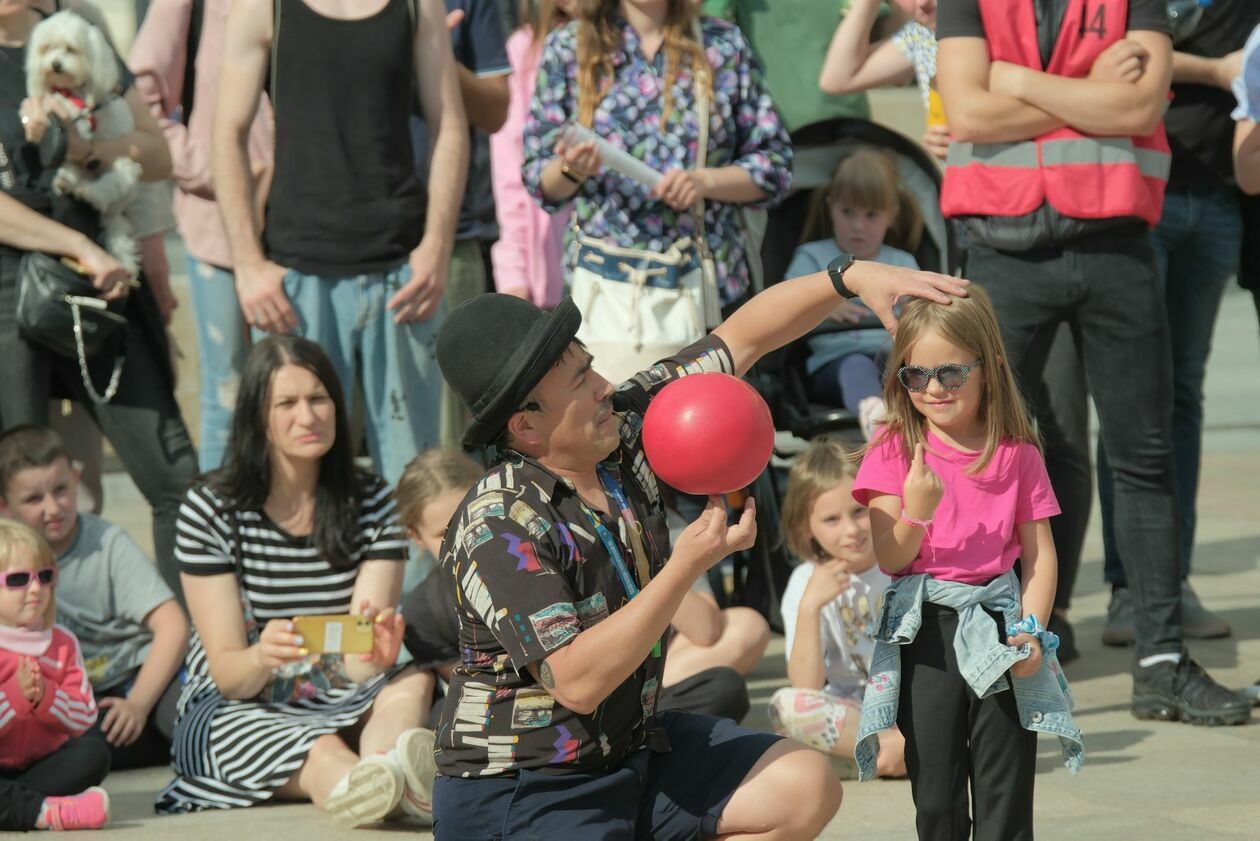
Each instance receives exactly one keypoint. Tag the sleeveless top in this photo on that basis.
(344, 197)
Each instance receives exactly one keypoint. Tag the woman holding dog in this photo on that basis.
(289, 527)
(142, 420)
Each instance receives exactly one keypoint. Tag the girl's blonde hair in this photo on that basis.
(867, 177)
(428, 476)
(817, 470)
(599, 39)
(18, 538)
(969, 323)
(541, 16)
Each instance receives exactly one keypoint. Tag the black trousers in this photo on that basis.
(957, 744)
(142, 422)
(77, 765)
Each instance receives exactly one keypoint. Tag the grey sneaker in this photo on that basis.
(1197, 622)
(1253, 692)
(1119, 629)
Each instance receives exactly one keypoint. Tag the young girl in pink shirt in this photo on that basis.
(958, 492)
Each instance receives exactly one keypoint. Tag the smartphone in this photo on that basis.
(336, 634)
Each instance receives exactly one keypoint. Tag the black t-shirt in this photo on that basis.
(1200, 130)
(961, 18)
(529, 573)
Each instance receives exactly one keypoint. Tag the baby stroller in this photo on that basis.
(780, 377)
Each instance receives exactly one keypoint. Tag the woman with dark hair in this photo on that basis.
(290, 527)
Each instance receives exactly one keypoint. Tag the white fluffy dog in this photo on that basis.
(69, 58)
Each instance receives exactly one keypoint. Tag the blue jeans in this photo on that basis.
(222, 346)
(1108, 289)
(394, 365)
(1197, 245)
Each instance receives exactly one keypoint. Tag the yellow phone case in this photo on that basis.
(339, 634)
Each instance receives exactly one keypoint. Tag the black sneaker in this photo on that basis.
(1183, 691)
(1067, 638)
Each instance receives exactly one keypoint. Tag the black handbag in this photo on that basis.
(59, 310)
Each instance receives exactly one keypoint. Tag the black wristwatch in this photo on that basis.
(836, 269)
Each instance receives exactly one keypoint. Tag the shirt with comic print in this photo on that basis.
(529, 573)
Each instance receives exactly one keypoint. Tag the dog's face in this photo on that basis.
(65, 51)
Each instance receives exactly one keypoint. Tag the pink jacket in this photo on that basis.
(157, 59)
(530, 250)
(29, 733)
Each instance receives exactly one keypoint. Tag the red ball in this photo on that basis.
(708, 434)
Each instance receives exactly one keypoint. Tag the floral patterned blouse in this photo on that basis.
(745, 130)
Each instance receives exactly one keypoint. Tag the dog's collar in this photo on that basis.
(79, 102)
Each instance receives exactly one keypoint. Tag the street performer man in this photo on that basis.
(560, 563)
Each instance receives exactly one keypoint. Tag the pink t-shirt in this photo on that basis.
(973, 536)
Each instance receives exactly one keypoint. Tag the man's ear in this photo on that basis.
(522, 429)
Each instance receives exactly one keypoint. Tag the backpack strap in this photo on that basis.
(275, 52)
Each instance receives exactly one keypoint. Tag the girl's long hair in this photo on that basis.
(814, 472)
(599, 39)
(245, 477)
(20, 538)
(541, 17)
(867, 177)
(968, 323)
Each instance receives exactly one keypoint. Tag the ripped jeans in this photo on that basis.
(222, 345)
(394, 366)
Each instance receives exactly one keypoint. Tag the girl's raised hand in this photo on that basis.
(31, 679)
(828, 580)
(1031, 664)
(922, 490)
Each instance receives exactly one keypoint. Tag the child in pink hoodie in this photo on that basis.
(49, 769)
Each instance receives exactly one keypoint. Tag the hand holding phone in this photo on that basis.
(335, 634)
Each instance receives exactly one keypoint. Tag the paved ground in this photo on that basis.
(1162, 782)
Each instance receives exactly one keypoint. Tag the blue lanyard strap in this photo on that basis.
(631, 525)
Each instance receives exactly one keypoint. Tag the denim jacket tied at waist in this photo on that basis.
(1044, 700)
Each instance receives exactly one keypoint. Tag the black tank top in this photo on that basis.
(344, 198)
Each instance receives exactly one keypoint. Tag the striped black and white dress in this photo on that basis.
(228, 754)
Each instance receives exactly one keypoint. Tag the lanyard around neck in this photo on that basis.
(630, 525)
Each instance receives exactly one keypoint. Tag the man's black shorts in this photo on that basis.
(666, 796)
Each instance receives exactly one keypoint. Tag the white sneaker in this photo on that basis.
(368, 794)
(414, 754)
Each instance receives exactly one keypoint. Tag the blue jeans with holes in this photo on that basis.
(1197, 245)
(222, 346)
(395, 366)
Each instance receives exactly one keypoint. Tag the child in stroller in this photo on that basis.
(868, 210)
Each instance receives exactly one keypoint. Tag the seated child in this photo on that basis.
(828, 603)
(49, 771)
(133, 633)
(864, 200)
(706, 677)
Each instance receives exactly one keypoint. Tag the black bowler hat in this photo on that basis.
(493, 350)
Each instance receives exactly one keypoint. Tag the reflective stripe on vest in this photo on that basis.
(1152, 163)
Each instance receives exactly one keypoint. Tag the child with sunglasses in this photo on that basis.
(48, 769)
(132, 631)
(958, 493)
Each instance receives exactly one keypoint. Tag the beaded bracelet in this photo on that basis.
(923, 524)
(1029, 625)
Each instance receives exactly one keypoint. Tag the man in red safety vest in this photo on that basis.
(1057, 167)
